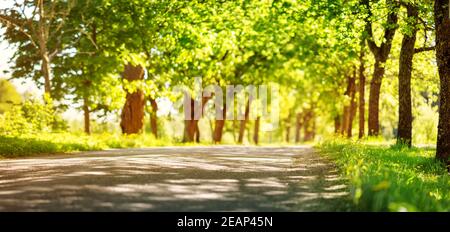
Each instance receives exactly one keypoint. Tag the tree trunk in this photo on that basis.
(197, 133)
(374, 99)
(442, 19)
(380, 53)
(218, 131)
(345, 119)
(353, 105)
(132, 118)
(404, 135)
(46, 73)
(87, 122)
(234, 130)
(288, 130)
(298, 126)
(46, 69)
(350, 107)
(256, 131)
(219, 124)
(243, 123)
(308, 126)
(191, 130)
(154, 117)
(362, 92)
(337, 124)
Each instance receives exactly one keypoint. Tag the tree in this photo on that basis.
(381, 54)
(133, 111)
(407, 52)
(362, 90)
(442, 20)
(39, 34)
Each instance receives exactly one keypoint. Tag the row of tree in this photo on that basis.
(122, 55)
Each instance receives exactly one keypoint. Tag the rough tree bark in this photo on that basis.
(298, 127)
(442, 20)
(405, 118)
(380, 54)
(154, 117)
(132, 118)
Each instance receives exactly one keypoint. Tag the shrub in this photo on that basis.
(32, 116)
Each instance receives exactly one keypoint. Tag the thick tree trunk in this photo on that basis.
(132, 118)
(256, 131)
(404, 135)
(219, 124)
(298, 127)
(362, 92)
(87, 121)
(243, 123)
(442, 19)
(374, 99)
(154, 117)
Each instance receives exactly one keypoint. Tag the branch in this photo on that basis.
(8, 21)
(370, 42)
(424, 49)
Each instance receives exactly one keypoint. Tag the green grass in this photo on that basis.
(50, 143)
(391, 178)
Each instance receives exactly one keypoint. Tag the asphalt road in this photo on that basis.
(208, 178)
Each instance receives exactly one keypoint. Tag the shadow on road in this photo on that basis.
(219, 178)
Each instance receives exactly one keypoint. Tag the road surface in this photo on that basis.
(207, 178)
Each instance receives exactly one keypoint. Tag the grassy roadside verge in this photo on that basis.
(49, 143)
(391, 178)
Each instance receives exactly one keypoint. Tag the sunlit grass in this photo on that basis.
(385, 177)
(48, 143)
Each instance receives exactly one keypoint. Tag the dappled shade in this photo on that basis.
(222, 178)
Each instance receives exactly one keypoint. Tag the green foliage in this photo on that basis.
(31, 117)
(391, 178)
(8, 96)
